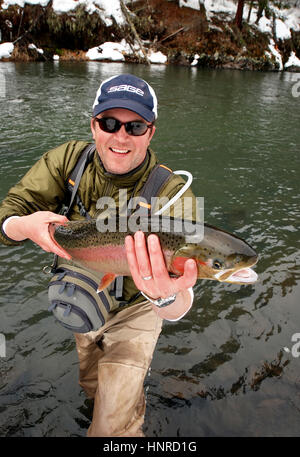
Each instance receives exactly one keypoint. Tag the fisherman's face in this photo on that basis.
(119, 151)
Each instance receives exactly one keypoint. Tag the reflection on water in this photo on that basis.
(222, 370)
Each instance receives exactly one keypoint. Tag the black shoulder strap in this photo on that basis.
(76, 175)
(77, 172)
(156, 180)
(72, 186)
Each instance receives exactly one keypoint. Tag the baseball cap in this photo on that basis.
(129, 92)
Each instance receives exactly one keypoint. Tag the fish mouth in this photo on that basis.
(242, 276)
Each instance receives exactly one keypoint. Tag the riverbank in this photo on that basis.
(152, 31)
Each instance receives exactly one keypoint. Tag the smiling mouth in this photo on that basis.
(120, 151)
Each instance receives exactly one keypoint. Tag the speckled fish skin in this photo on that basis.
(219, 255)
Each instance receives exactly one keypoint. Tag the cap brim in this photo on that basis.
(137, 108)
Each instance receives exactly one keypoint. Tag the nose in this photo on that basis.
(121, 134)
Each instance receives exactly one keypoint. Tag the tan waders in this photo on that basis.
(113, 364)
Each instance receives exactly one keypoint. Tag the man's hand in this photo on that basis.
(146, 260)
(36, 228)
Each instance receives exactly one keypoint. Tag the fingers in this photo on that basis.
(37, 227)
(164, 285)
(142, 257)
(52, 218)
(189, 278)
(48, 244)
(146, 260)
(132, 262)
(53, 245)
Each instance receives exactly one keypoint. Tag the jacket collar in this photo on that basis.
(132, 176)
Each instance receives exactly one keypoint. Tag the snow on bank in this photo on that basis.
(211, 6)
(7, 3)
(33, 46)
(275, 53)
(108, 51)
(116, 52)
(63, 6)
(293, 61)
(110, 10)
(282, 28)
(107, 9)
(265, 25)
(287, 18)
(195, 61)
(157, 57)
(6, 50)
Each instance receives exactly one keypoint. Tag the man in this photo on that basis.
(114, 359)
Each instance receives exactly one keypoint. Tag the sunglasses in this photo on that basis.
(112, 125)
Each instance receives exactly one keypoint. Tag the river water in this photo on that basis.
(231, 366)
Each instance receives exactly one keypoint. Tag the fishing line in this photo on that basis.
(179, 193)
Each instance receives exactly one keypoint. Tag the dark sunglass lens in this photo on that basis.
(110, 124)
(136, 128)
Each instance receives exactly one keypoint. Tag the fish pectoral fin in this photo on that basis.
(107, 279)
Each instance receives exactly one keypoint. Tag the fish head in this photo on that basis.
(236, 268)
(220, 256)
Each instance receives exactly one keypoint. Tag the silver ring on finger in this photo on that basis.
(147, 278)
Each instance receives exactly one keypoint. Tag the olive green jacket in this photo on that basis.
(44, 188)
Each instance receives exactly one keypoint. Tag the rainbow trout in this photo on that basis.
(219, 255)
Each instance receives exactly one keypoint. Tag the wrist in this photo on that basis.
(11, 228)
(161, 302)
(191, 294)
(179, 308)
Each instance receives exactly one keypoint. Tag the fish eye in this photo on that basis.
(217, 264)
